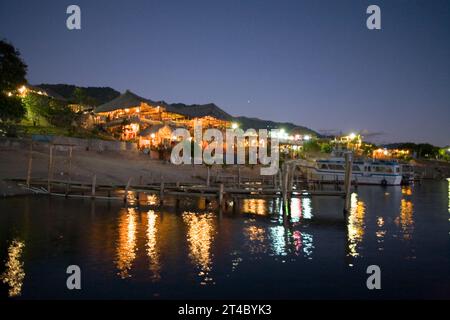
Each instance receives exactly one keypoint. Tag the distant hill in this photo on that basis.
(94, 95)
(256, 123)
(199, 110)
(196, 110)
(101, 96)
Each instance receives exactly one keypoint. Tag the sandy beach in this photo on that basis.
(110, 167)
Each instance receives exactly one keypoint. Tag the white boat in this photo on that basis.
(374, 172)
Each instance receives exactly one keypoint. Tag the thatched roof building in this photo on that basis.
(124, 101)
(199, 111)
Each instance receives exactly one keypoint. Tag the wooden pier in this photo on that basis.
(286, 184)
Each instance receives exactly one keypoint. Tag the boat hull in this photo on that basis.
(359, 178)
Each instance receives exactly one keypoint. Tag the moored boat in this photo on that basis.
(373, 172)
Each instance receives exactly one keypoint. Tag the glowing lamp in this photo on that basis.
(22, 89)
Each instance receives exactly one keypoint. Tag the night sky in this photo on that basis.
(312, 62)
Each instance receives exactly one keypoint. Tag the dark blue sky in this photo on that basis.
(310, 62)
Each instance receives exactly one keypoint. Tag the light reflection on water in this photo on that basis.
(256, 240)
(278, 240)
(161, 246)
(355, 225)
(380, 233)
(152, 245)
(406, 219)
(126, 244)
(406, 190)
(14, 274)
(301, 208)
(200, 236)
(255, 206)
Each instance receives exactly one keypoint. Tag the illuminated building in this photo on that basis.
(130, 117)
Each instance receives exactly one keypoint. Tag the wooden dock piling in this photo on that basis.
(30, 164)
(348, 181)
(50, 169)
(94, 183)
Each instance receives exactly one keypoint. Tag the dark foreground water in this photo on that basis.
(152, 253)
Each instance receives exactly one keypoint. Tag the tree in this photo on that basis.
(37, 107)
(79, 96)
(326, 148)
(11, 108)
(311, 146)
(12, 69)
(11, 111)
(12, 76)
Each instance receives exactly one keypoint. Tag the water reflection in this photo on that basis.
(14, 274)
(126, 246)
(355, 225)
(303, 243)
(152, 199)
(131, 197)
(255, 206)
(406, 220)
(152, 248)
(256, 236)
(406, 190)
(278, 241)
(380, 233)
(301, 208)
(200, 237)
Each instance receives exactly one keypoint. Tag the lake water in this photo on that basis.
(148, 252)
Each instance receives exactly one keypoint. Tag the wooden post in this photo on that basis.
(126, 190)
(239, 176)
(140, 194)
(280, 178)
(161, 193)
(348, 181)
(50, 169)
(291, 178)
(69, 173)
(30, 164)
(286, 193)
(285, 183)
(221, 195)
(208, 175)
(94, 182)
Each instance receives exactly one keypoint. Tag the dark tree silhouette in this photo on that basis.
(12, 76)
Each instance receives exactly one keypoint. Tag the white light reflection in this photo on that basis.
(301, 209)
(277, 235)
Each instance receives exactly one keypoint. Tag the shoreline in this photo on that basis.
(118, 167)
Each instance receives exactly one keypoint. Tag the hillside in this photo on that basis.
(256, 123)
(93, 95)
(197, 110)
(101, 96)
